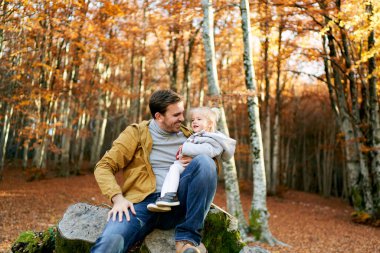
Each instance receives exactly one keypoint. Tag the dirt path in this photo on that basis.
(307, 222)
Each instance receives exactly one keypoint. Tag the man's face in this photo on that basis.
(172, 119)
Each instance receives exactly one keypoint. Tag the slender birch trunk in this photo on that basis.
(276, 151)
(63, 159)
(327, 163)
(65, 140)
(140, 97)
(85, 120)
(276, 126)
(3, 7)
(305, 174)
(259, 213)
(141, 87)
(374, 122)
(229, 169)
(319, 160)
(131, 86)
(102, 124)
(286, 174)
(25, 153)
(267, 144)
(95, 138)
(186, 84)
(267, 124)
(39, 158)
(4, 137)
(174, 66)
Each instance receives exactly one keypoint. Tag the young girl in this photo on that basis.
(205, 140)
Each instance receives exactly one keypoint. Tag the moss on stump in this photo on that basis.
(221, 234)
(35, 242)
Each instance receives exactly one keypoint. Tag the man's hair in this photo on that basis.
(161, 99)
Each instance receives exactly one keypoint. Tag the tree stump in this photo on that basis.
(79, 228)
(82, 224)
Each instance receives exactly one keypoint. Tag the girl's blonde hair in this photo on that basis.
(212, 115)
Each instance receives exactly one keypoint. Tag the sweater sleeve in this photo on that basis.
(194, 149)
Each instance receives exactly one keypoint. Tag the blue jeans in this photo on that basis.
(197, 187)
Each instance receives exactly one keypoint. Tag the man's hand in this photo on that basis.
(185, 160)
(120, 207)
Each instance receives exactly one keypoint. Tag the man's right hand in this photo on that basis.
(120, 207)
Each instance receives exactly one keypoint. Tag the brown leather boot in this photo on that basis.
(185, 247)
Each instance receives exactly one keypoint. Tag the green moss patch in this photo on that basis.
(217, 238)
(35, 242)
(254, 224)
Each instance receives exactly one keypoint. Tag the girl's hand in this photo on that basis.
(185, 160)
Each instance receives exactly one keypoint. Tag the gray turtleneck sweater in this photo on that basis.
(164, 150)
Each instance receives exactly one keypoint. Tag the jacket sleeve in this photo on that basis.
(210, 149)
(118, 157)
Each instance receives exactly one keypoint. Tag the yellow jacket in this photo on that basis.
(130, 153)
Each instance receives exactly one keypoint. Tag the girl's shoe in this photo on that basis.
(169, 199)
(186, 247)
(154, 208)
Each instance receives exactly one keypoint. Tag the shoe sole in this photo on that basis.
(163, 203)
(158, 209)
(191, 251)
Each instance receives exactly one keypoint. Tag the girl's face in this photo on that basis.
(199, 122)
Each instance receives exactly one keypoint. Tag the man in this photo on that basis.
(144, 152)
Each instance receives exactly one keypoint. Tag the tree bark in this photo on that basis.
(357, 192)
(186, 84)
(374, 122)
(267, 122)
(141, 87)
(356, 123)
(276, 126)
(259, 213)
(229, 169)
(4, 137)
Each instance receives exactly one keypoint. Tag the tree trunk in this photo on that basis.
(374, 122)
(305, 174)
(3, 6)
(85, 119)
(259, 213)
(186, 86)
(267, 124)
(356, 123)
(319, 160)
(95, 137)
(276, 126)
(361, 198)
(287, 170)
(141, 87)
(106, 104)
(25, 153)
(229, 169)
(40, 156)
(327, 163)
(4, 137)
(66, 139)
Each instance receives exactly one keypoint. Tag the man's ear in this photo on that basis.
(158, 116)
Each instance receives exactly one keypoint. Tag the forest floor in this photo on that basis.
(306, 222)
